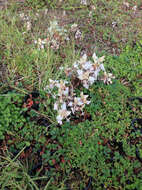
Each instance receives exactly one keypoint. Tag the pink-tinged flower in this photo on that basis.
(70, 104)
(56, 106)
(78, 34)
(134, 8)
(102, 67)
(76, 65)
(101, 59)
(54, 44)
(61, 84)
(91, 80)
(95, 58)
(40, 43)
(62, 88)
(107, 78)
(66, 91)
(98, 60)
(83, 75)
(22, 15)
(52, 83)
(62, 113)
(78, 101)
(126, 4)
(28, 25)
(87, 65)
(68, 72)
(85, 84)
(83, 59)
(83, 2)
(84, 98)
(74, 27)
(96, 73)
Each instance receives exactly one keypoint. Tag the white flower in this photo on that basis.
(84, 98)
(42, 46)
(66, 91)
(95, 58)
(59, 119)
(61, 68)
(62, 113)
(52, 83)
(101, 59)
(78, 34)
(54, 44)
(90, 13)
(83, 75)
(126, 4)
(96, 73)
(63, 106)
(70, 104)
(83, 59)
(83, 2)
(74, 27)
(93, 7)
(79, 72)
(134, 8)
(53, 25)
(85, 84)
(102, 67)
(68, 72)
(55, 106)
(78, 101)
(75, 65)
(107, 78)
(35, 41)
(28, 25)
(114, 24)
(40, 43)
(60, 84)
(91, 80)
(87, 65)
(22, 15)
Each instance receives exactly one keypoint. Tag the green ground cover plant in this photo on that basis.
(95, 145)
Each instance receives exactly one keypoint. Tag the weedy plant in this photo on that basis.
(84, 72)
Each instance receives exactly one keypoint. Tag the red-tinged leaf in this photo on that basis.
(62, 160)
(54, 161)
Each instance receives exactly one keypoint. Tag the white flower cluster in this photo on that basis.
(83, 2)
(40, 43)
(66, 101)
(27, 21)
(56, 36)
(88, 72)
(77, 33)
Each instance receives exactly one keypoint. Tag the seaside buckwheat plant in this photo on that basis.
(63, 91)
